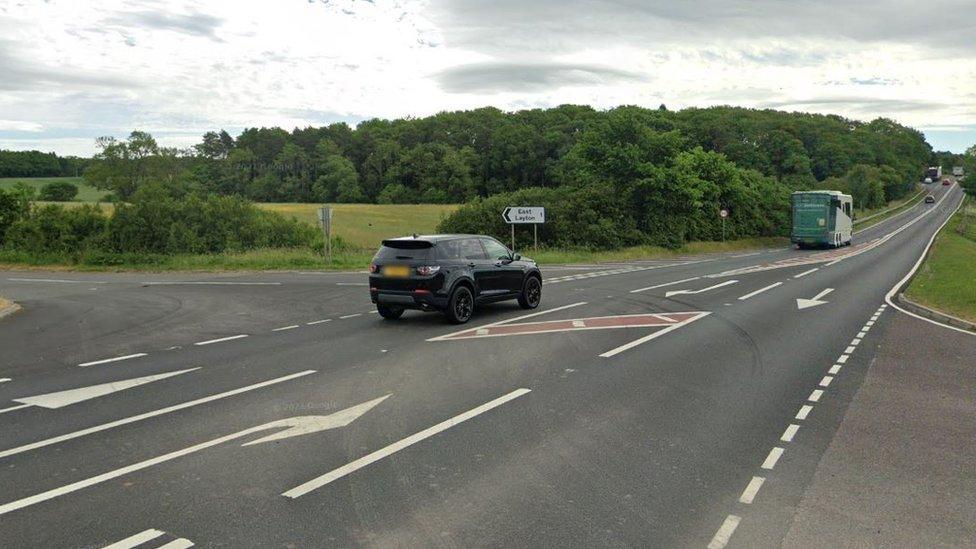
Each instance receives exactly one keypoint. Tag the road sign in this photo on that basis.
(523, 214)
(325, 218)
(723, 212)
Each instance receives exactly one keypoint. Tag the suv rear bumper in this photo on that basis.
(417, 299)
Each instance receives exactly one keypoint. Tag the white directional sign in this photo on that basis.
(524, 214)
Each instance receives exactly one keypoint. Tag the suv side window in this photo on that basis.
(449, 250)
(471, 249)
(495, 249)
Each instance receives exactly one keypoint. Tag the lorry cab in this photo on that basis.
(821, 219)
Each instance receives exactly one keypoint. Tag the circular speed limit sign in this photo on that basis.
(723, 212)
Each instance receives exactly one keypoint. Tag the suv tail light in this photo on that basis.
(427, 270)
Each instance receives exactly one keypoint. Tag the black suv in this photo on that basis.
(450, 273)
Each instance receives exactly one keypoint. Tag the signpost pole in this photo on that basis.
(325, 217)
(513, 237)
(535, 237)
(723, 229)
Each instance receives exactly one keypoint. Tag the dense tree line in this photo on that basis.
(38, 164)
(456, 156)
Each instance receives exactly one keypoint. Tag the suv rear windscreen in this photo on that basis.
(405, 250)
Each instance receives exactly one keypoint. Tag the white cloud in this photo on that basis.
(76, 70)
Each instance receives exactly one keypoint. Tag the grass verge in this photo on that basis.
(947, 279)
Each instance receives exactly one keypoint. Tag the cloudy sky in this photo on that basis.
(72, 70)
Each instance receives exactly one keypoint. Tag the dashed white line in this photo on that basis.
(751, 490)
(825, 382)
(352, 284)
(856, 341)
(860, 335)
(5, 379)
(834, 262)
(815, 395)
(314, 322)
(772, 458)
(850, 350)
(107, 360)
(57, 280)
(354, 466)
(842, 359)
(350, 316)
(211, 341)
(138, 539)
(869, 323)
(724, 532)
(790, 432)
(206, 283)
(805, 273)
(834, 369)
(665, 284)
(804, 412)
(283, 328)
(146, 415)
(760, 290)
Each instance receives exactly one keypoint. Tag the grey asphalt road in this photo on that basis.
(130, 401)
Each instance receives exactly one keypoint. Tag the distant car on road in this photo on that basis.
(928, 180)
(929, 199)
(946, 182)
(451, 273)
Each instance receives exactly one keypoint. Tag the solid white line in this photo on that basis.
(760, 290)
(283, 328)
(724, 532)
(350, 316)
(834, 369)
(209, 341)
(147, 415)
(815, 395)
(804, 411)
(107, 360)
(314, 322)
(181, 543)
(14, 408)
(772, 458)
(335, 474)
(665, 284)
(352, 284)
(842, 359)
(58, 280)
(506, 321)
(805, 273)
(850, 350)
(825, 382)
(751, 490)
(790, 432)
(649, 337)
(138, 539)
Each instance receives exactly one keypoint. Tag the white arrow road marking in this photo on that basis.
(147, 415)
(181, 543)
(335, 474)
(61, 399)
(296, 426)
(677, 292)
(807, 303)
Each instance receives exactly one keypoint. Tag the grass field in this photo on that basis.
(365, 225)
(947, 279)
(86, 193)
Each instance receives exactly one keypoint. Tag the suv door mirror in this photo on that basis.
(516, 257)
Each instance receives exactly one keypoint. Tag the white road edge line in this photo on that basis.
(210, 341)
(724, 532)
(138, 539)
(772, 458)
(107, 360)
(147, 415)
(351, 467)
(760, 290)
(506, 321)
(649, 337)
(751, 490)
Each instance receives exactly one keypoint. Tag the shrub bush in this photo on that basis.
(58, 191)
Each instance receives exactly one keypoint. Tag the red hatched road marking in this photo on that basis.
(662, 320)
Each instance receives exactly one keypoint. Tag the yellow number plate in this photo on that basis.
(398, 271)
